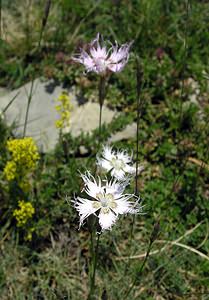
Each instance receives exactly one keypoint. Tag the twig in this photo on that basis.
(186, 247)
(206, 237)
(198, 162)
(164, 248)
(188, 232)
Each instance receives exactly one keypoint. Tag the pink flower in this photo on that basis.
(100, 60)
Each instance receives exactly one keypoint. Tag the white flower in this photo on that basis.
(100, 60)
(117, 162)
(107, 199)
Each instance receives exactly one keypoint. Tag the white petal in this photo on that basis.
(86, 60)
(116, 67)
(119, 174)
(106, 220)
(95, 41)
(91, 186)
(108, 153)
(123, 155)
(78, 59)
(103, 163)
(114, 58)
(85, 208)
(124, 206)
(116, 188)
(99, 53)
(140, 168)
(119, 55)
(129, 169)
(89, 64)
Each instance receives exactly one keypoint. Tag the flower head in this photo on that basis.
(24, 156)
(64, 109)
(100, 60)
(118, 163)
(107, 202)
(24, 213)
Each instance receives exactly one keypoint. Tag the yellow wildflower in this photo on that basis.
(24, 213)
(24, 185)
(24, 155)
(10, 170)
(29, 234)
(24, 151)
(64, 109)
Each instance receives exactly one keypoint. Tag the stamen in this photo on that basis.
(105, 210)
(96, 204)
(113, 204)
(109, 197)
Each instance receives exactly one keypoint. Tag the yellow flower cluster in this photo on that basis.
(24, 213)
(64, 109)
(10, 170)
(29, 234)
(24, 154)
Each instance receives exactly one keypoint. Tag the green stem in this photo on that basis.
(184, 57)
(95, 260)
(139, 272)
(100, 121)
(10, 102)
(44, 21)
(183, 87)
(137, 278)
(0, 17)
(94, 266)
(139, 76)
(28, 106)
(102, 93)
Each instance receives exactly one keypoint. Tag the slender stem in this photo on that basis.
(102, 92)
(44, 21)
(91, 250)
(182, 86)
(95, 260)
(94, 266)
(10, 102)
(28, 106)
(0, 18)
(139, 76)
(138, 89)
(137, 278)
(184, 57)
(100, 120)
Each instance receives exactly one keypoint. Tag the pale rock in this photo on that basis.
(42, 113)
(129, 132)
